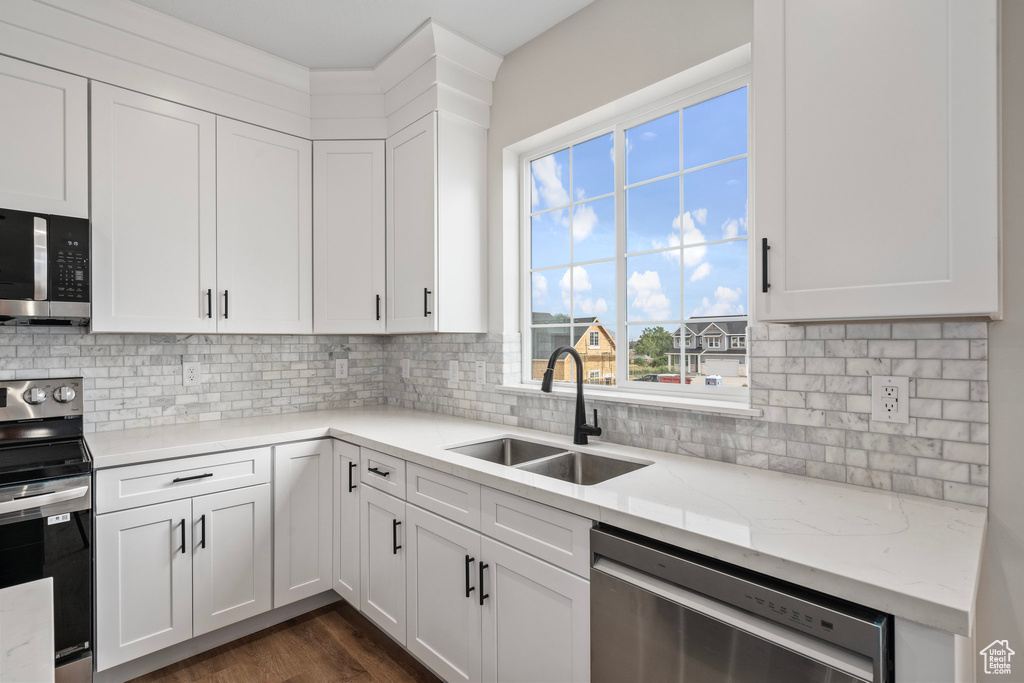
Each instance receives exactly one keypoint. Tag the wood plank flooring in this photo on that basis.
(333, 643)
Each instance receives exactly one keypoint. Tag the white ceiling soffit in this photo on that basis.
(323, 34)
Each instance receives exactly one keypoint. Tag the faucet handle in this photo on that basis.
(596, 430)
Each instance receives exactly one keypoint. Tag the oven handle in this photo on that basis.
(41, 260)
(42, 499)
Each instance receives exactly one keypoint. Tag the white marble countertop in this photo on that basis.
(26, 632)
(913, 557)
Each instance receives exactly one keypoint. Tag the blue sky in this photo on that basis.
(710, 205)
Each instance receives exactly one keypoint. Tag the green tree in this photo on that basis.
(656, 343)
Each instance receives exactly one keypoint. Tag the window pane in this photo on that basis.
(545, 341)
(550, 176)
(718, 356)
(549, 239)
(551, 296)
(652, 286)
(652, 216)
(653, 356)
(593, 230)
(652, 149)
(715, 129)
(594, 295)
(593, 168)
(716, 200)
(598, 359)
(715, 280)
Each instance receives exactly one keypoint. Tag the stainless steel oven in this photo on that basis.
(660, 613)
(44, 269)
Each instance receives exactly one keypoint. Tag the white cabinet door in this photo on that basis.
(348, 237)
(44, 130)
(346, 521)
(302, 520)
(154, 220)
(443, 601)
(264, 230)
(382, 556)
(231, 549)
(876, 160)
(536, 619)
(143, 581)
(412, 227)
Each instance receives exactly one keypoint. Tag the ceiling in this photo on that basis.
(359, 33)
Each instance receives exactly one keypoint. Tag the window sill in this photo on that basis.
(736, 408)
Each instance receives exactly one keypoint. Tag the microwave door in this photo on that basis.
(23, 258)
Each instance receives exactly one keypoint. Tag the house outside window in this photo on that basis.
(626, 225)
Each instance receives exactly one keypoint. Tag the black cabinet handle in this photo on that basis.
(378, 307)
(469, 589)
(351, 486)
(209, 303)
(394, 537)
(183, 536)
(764, 265)
(194, 476)
(202, 524)
(483, 596)
(225, 304)
(376, 471)
(426, 294)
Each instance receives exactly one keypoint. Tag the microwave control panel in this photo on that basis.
(68, 247)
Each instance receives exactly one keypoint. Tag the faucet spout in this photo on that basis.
(580, 428)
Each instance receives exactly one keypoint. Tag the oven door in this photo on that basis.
(46, 531)
(23, 262)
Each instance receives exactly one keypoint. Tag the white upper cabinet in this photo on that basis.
(44, 139)
(264, 231)
(154, 216)
(348, 237)
(876, 158)
(436, 185)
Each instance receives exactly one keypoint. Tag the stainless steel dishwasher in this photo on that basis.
(660, 613)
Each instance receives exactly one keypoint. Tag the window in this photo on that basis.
(640, 227)
(714, 342)
(595, 374)
(738, 342)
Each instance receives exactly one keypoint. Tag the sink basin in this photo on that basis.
(581, 468)
(507, 451)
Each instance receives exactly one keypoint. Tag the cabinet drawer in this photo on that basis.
(384, 472)
(561, 538)
(444, 494)
(120, 488)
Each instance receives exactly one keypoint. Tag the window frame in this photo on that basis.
(591, 336)
(716, 85)
(712, 341)
(737, 341)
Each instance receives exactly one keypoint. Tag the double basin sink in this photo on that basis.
(556, 462)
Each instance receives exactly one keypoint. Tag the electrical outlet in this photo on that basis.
(481, 372)
(191, 373)
(341, 368)
(405, 368)
(453, 372)
(890, 399)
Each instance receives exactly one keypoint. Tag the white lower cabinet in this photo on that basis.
(382, 558)
(346, 522)
(536, 618)
(302, 520)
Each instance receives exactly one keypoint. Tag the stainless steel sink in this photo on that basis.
(507, 451)
(585, 469)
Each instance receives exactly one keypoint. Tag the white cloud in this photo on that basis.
(647, 296)
(733, 227)
(701, 216)
(701, 272)
(540, 288)
(547, 182)
(691, 234)
(648, 135)
(580, 284)
(583, 221)
(726, 303)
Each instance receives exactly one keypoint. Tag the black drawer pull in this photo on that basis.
(378, 307)
(194, 476)
(377, 471)
(469, 589)
(351, 486)
(483, 596)
(765, 285)
(183, 536)
(209, 303)
(202, 523)
(426, 310)
(225, 304)
(394, 537)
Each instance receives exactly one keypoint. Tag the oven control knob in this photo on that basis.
(64, 394)
(35, 396)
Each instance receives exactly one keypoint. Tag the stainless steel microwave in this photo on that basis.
(44, 269)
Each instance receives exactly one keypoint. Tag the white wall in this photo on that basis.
(605, 51)
(1001, 592)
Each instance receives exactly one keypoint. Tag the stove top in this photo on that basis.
(41, 430)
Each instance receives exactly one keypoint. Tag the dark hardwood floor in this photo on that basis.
(333, 643)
